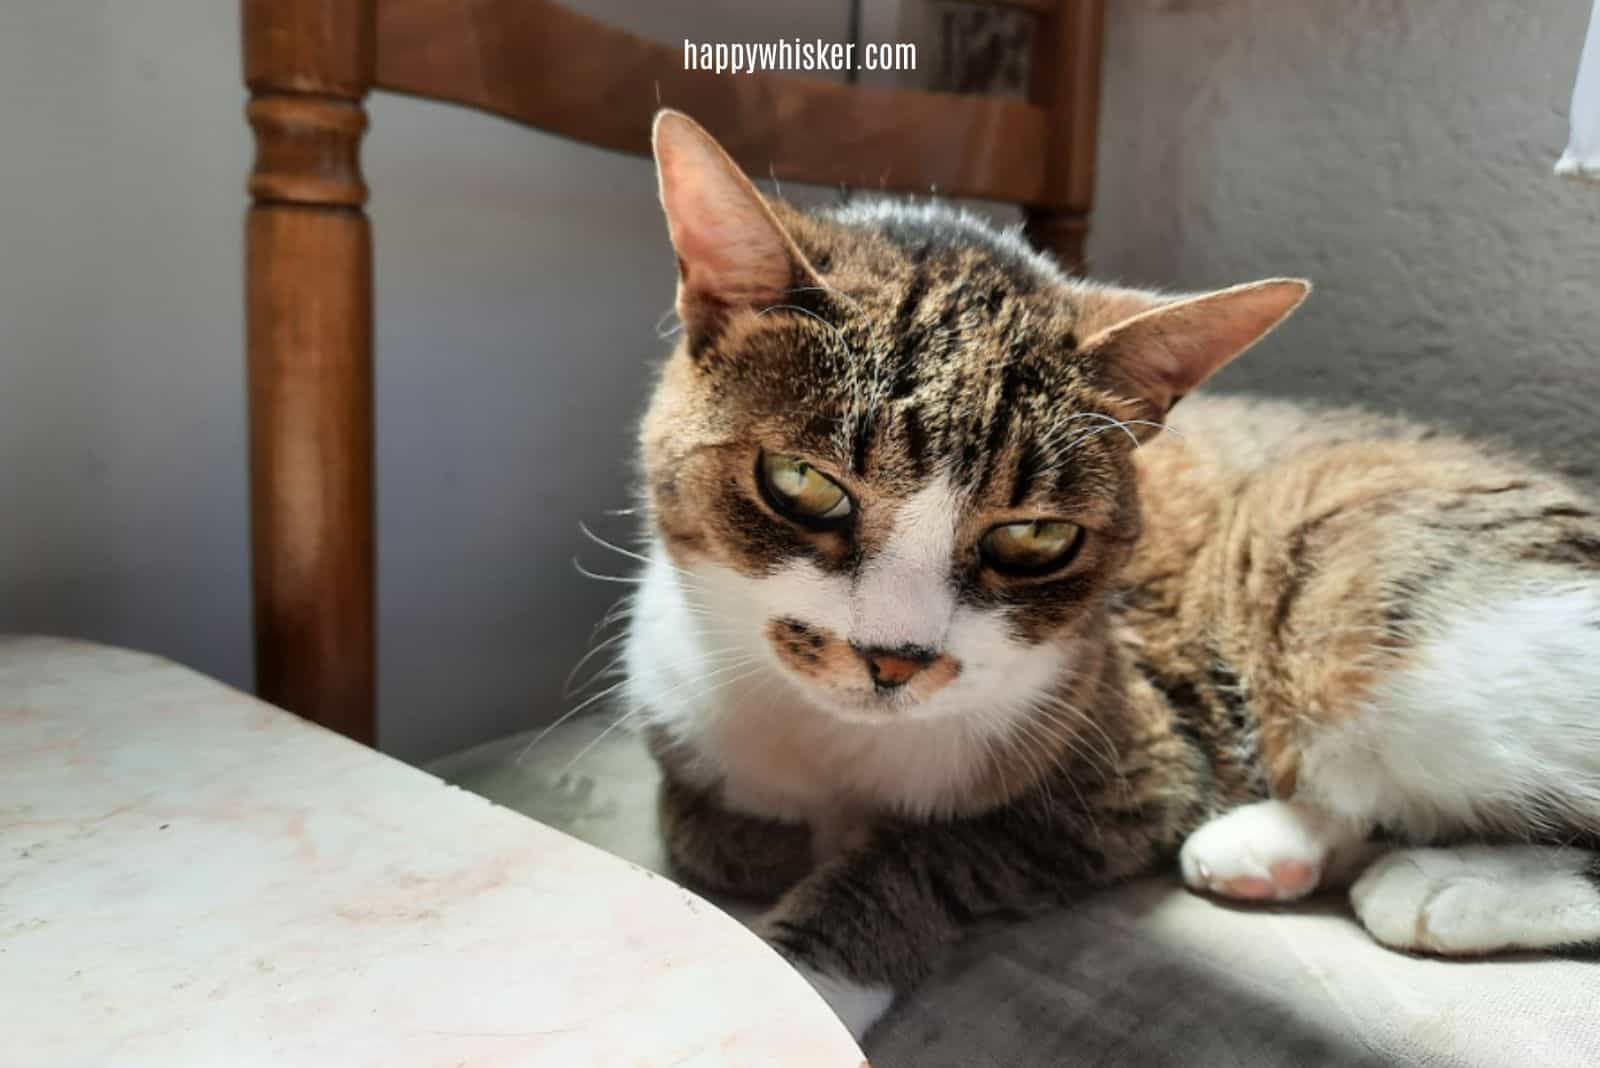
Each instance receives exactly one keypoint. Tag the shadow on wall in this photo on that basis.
(1373, 150)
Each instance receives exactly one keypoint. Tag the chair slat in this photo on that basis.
(1038, 7)
(540, 64)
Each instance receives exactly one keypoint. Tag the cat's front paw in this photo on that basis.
(1267, 851)
(857, 1005)
(1416, 899)
(1479, 899)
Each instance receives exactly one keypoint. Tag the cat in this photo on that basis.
(938, 625)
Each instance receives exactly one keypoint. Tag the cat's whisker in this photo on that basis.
(625, 580)
(731, 653)
(993, 754)
(566, 686)
(628, 580)
(837, 333)
(1060, 705)
(1021, 726)
(632, 713)
(1116, 424)
(750, 670)
(1105, 762)
(744, 670)
(595, 741)
(612, 669)
(621, 609)
(1034, 733)
(663, 329)
(629, 553)
(1057, 741)
(564, 717)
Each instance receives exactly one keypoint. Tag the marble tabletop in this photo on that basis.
(189, 876)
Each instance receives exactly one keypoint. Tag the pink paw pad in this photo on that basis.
(1248, 888)
(1295, 876)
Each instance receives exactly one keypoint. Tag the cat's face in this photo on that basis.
(893, 455)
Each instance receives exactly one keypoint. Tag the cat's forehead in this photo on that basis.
(933, 234)
(939, 346)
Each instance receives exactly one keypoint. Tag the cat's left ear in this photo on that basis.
(732, 251)
(1157, 355)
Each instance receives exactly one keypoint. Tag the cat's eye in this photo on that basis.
(801, 492)
(1031, 548)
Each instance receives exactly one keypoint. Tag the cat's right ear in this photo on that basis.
(732, 251)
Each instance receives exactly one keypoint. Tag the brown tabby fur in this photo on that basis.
(1245, 577)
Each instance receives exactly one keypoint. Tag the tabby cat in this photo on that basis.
(938, 625)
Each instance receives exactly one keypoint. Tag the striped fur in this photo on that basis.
(1269, 604)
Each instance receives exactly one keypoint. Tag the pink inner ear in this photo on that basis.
(1167, 351)
(730, 248)
(721, 261)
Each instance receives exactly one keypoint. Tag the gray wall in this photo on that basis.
(122, 497)
(520, 281)
(1397, 153)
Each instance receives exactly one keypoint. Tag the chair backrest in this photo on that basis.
(310, 63)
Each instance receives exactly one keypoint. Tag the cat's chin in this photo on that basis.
(872, 709)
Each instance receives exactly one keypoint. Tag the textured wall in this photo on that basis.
(122, 491)
(1399, 154)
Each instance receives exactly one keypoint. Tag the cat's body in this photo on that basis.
(937, 628)
(1378, 601)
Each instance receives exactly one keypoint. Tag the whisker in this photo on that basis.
(581, 753)
(1115, 424)
(586, 573)
(629, 553)
(564, 717)
(566, 687)
(718, 657)
(837, 333)
(664, 331)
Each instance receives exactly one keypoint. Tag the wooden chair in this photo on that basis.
(308, 260)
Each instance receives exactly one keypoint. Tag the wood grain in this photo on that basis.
(306, 150)
(538, 63)
(308, 267)
(1038, 7)
(1066, 83)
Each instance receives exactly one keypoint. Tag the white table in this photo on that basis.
(189, 876)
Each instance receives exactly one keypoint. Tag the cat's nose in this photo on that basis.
(893, 668)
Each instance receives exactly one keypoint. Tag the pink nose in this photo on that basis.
(891, 668)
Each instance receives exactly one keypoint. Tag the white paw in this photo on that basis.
(1267, 851)
(858, 1006)
(1479, 899)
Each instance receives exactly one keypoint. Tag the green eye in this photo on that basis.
(800, 491)
(1030, 548)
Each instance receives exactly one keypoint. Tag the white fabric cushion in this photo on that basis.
(1145, 975)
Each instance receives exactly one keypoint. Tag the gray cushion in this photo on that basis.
(1145, 975)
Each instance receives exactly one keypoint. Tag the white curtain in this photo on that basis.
(1582, 157)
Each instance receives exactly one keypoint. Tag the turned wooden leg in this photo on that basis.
(308, 268)
(1066, 82)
